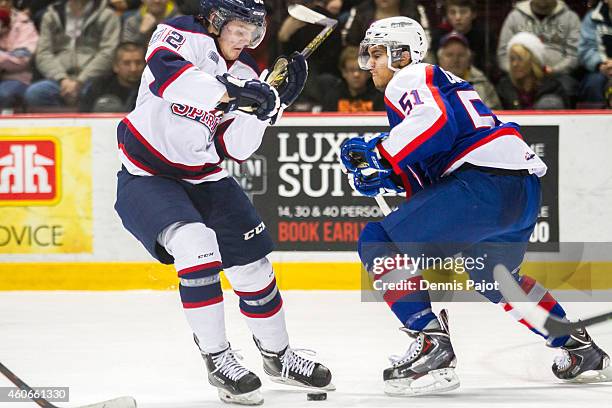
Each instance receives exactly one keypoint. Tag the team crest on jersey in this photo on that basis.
(213, 56)
(209, 119)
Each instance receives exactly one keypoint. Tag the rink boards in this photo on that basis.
(58, 229)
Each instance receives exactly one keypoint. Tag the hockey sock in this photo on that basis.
(400, 289)
(198, 263)
(202, 299)
(397, 285)
(260, 303)
(538, 294)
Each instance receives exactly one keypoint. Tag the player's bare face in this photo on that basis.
(381, 74)
(235, 36)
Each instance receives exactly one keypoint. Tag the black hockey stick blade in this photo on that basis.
(558, 328)
(537, 316)
(121, 402)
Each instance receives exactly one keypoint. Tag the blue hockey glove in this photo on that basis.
(360, 152)
(251, 94)
(370, 183)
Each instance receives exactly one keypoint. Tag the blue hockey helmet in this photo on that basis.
(220, 12)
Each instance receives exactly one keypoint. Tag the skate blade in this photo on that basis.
(249, 398)
(593, 376)
(434, 382)
(294, 383)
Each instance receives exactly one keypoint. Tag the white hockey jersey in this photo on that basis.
(175, 129)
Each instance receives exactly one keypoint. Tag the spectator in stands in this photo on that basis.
(192, 7)
(117, 92)
(76, 45)
(294, 35)
(139, 27)
(595, 51)
(18, 38)
(363, 15)
(528, 85)
(355, 92)
(455, 55)
(559, 29)
(124, 5)
(461, 17)
(34, 8)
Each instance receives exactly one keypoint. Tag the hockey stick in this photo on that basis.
(121, 402)
(302, 13)
(382, 203)
(537, 316)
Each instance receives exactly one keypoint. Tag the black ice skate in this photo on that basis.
(234, 383)
(582, 361)
(427, 367)
(289, 368)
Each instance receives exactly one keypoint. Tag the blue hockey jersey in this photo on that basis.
(438, 122)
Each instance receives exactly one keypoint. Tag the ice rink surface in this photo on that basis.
(107, 344)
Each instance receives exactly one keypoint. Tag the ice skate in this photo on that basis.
(428, 366)
(290, 368)
(582, 361)
(234, 382)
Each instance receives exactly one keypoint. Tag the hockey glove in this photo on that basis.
(297, 74)
(370, 183)
(360, 152)
(251, 94)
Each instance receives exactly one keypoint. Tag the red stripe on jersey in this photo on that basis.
(160, 156)
(173, 78)
(202, 176)
(492, 136)
(136, 162)
(406, 184)
(209, 265)
(220, 134)
(433, 129)
(262, 315)
(257, 292)
(195, 305)
(394, 108)
(160, 48)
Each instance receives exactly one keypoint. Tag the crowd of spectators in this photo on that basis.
(88, 55)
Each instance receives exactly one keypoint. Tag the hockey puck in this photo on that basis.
(316, 396)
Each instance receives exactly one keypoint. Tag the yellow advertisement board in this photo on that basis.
(45, 190)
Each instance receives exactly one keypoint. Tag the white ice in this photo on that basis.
(107, 344)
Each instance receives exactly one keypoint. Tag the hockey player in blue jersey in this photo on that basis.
(201, 101)
(473, 187)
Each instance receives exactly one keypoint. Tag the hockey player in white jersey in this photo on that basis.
(472, 187)
(201, 101)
